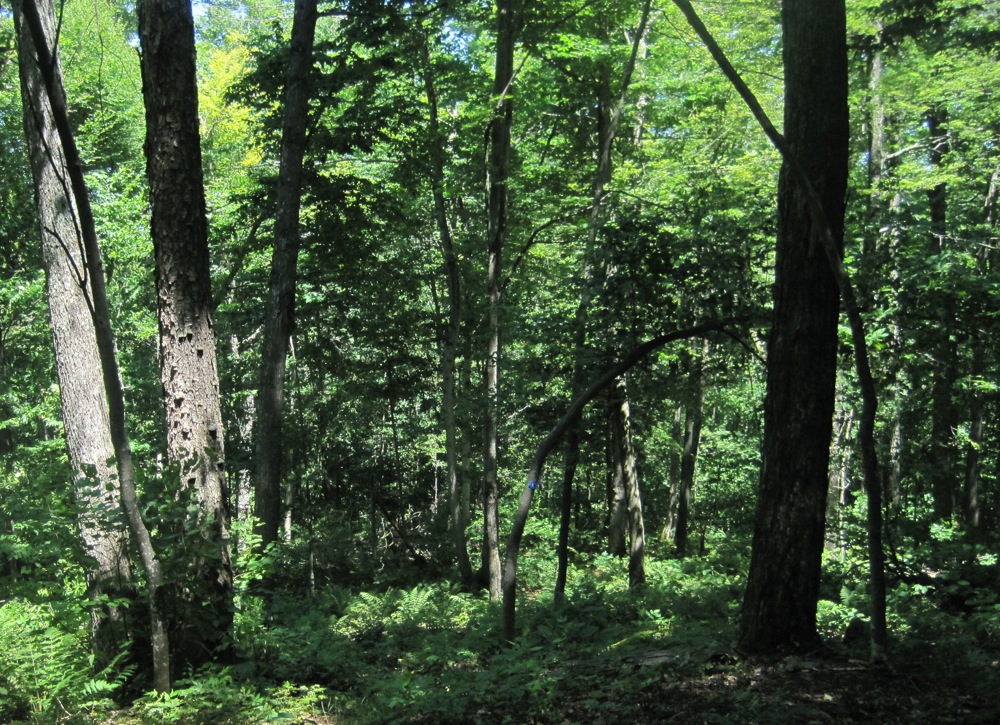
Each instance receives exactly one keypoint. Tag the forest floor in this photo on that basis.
(832, 690)
(430, 653)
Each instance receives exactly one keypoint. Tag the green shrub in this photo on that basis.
(215, 695)
(47, 671)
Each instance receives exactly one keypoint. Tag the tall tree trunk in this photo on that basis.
(497, 182)
(779, 609)
(279, 315)
(566, 509)
(943, 452)
(78, 362)
(40, 22)
(184, 310)
(880, 255)
(449, 349)
(978, 411)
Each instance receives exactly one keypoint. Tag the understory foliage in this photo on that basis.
(430, 652)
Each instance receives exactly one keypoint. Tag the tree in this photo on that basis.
(78, 364)
(779, 610)
(279, 315)
(41, 22)
(189, 373)
(498, 173)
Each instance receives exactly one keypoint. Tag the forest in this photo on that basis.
(566, 361)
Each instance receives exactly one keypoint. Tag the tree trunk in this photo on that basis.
(624, 453)
(689, 457)
(617, 487)
(566, 509)
(670, 522)
(978, 408)
(449, 349)
(497, 182)
(78, 362)
(184, 309)
(608, 112)
(779, 610)
(279, 315)
(943, 452)
(40, 22)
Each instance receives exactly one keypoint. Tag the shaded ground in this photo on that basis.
(794, 690)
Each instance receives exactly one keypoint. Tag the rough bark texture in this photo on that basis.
(779, 611)
(279, 317)
(47, 64)
(78, 364)
(498, 174)
(184, 304)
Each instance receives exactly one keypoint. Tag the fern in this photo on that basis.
(49, 668)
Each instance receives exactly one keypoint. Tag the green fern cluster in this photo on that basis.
(47, 671)
(217, 696)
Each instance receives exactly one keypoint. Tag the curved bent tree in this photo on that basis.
(553, 439)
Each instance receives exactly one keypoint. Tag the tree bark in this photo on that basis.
(83, 399)
(670, 522)
(184, 309)
(498, 173)
(825, 232)
(47, 64)
(279, 316)
(779, 610)
(617, 488)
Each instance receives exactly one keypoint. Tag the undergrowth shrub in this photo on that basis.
(47, 671)
(215, 695)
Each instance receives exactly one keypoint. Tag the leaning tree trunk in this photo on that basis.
(78, 361)
(497, 182)
(779, 610)
(279, 315)
(40, 23)
(552, 440)
(184, 309)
